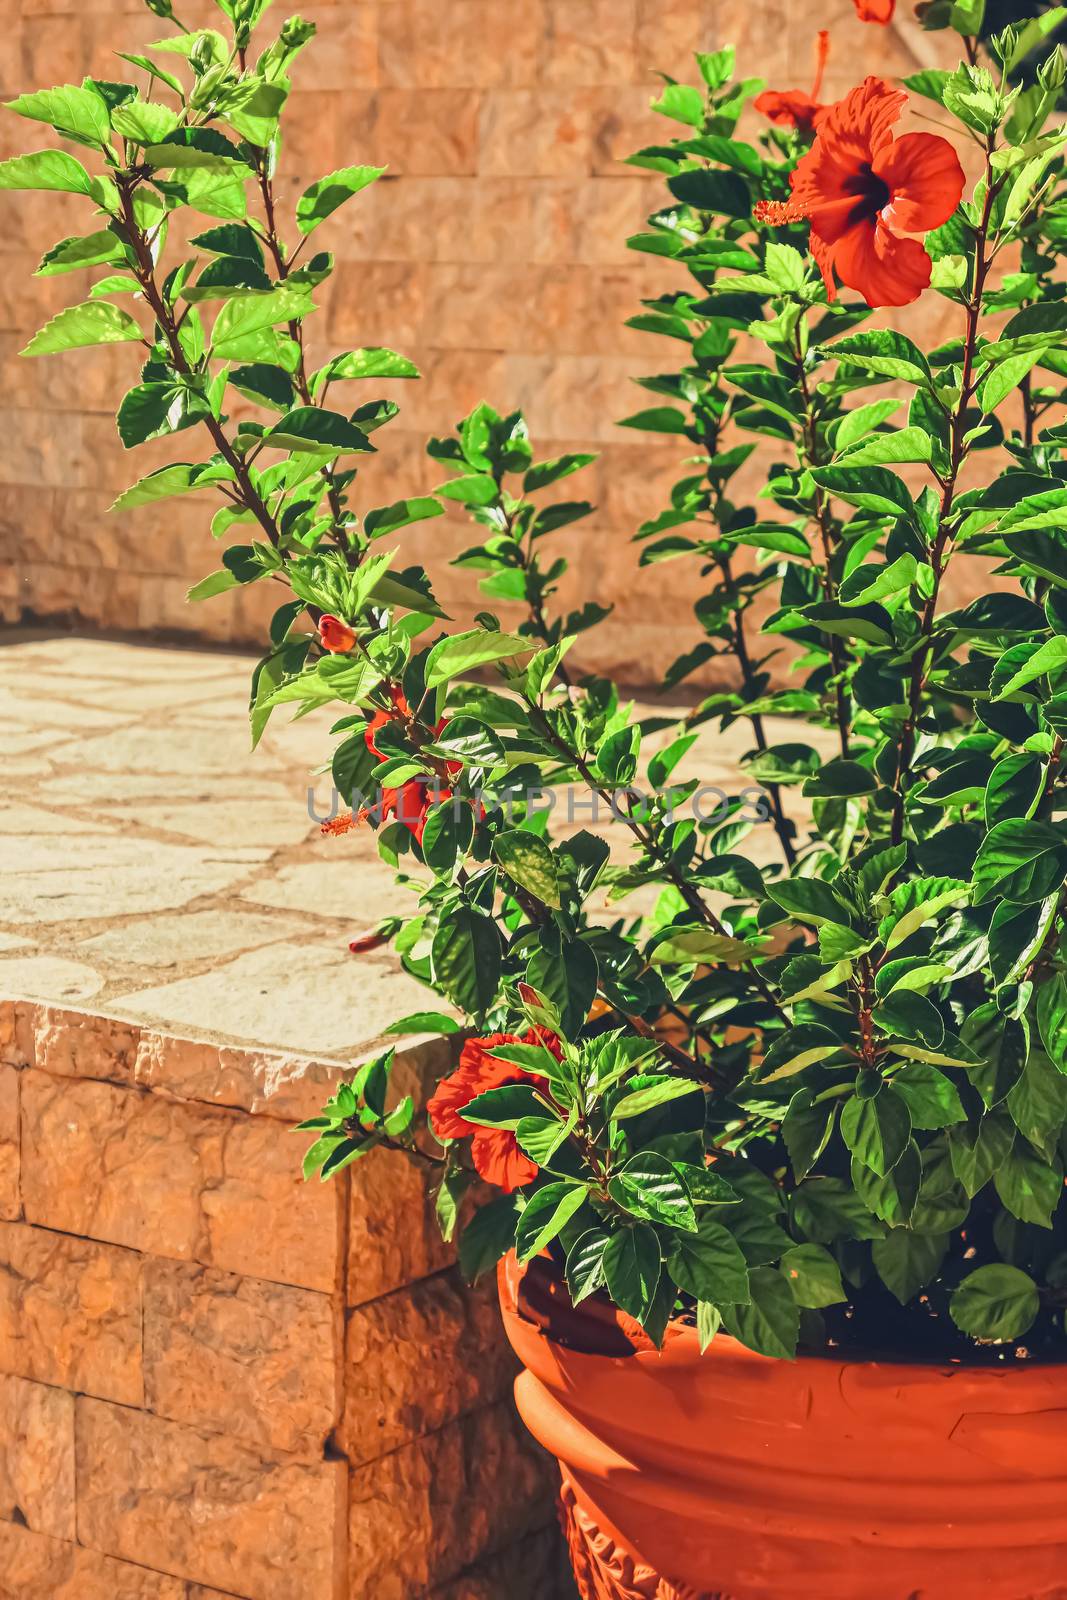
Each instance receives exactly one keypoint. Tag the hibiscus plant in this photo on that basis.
(814, 1089)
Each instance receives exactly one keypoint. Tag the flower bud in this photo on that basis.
(296, 32)
(161, 8)
(202, 56)
(336, 635)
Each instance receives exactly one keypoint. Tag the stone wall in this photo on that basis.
(219, 1383)
(494, 253)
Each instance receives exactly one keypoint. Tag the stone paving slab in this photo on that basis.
(154, 866)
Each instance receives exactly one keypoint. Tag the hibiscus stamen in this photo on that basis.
(336, 826)
(779, 212)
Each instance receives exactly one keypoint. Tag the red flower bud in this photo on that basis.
(336, 636)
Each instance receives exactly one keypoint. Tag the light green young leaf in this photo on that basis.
(91, 323)
(323, 198)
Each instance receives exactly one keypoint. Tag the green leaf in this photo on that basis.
(1020, 861)
(549, 472)
(77, 112)
(488, 1235)
(995, 1303)
(658, 419)
(447, 833)
(144, 121)
(180, 478)
(1004, 377)
(585, 1265)
(1050, 657)
(798, 1048)
(88, 250)
(153, 410)
(931, 1098)
(654, 1091)
(649, 1187)
(887, 449)
(196, 149)
(885, 354)
(48, 169)
(868, 488)
(690, 947)
(466, 960)
(323, 198)
(424, 1022)
(309, 428)
(1052, 1019)
(877, 1129)
(215, 583)
(376, 362)
(770, 1322)
(527, 859)
(632, 1266)
(810, 900)
(545, 1215)
(682, 103)
(710, 1265)
(401, 514)
(711, 189)
(94, 322)
(840, 780)
(1029, 1185)
(463, 652)
(252, 313)
(252, 109)
(806, 1131)
(814, 1276)
(906, 1262)
(861, 423)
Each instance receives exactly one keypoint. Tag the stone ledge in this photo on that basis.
(74, 1043)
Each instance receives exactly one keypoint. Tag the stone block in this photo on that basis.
(240, 1356)
(421, 1516)
(70, 1313)
(418, 1359)
(10, 1201)
(79, 1044)
(393, 1238)
(206, 1508)
(177, 1180)
(37, 1457)
(33, 1567)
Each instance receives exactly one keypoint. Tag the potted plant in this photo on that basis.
(772, 1173)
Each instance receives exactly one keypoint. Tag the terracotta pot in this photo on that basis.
(729, 1476)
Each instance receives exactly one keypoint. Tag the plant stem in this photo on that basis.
(783, 827)
(645, 836)
(825, 522)
(146, 277)
(939, 554)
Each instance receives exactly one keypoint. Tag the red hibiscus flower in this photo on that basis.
(494, 1151)
(862, 190)
(411, 803)
(336, 636)
(875, 10)
(792, 108)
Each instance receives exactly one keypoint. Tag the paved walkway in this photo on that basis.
(152, 866)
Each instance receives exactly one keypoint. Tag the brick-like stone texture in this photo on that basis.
(219, 1383)
(494, 254)
(10, 1201)
(70, 1313)
(37, 1457)
(422, 1515)
(205, 1507)
(33, 1567)
(240, 1356)
(175, 1180)
(396, 1342)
